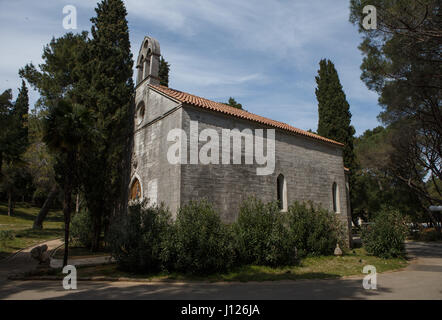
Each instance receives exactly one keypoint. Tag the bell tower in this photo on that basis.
(148, 62)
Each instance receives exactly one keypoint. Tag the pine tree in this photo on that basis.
(5, 110)
(107, 81)
(334, 111)
(57, 81)
(232, 102)
(163, 72)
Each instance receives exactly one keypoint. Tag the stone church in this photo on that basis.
(306, 166)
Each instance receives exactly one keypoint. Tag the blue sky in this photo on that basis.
(263, 53)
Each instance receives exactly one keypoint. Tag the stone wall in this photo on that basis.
(310, 168)
(159, 179)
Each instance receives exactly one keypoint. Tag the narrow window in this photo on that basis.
(335, 195)
(139, 114)
(140, 67)
(281, 192)
(135, 190)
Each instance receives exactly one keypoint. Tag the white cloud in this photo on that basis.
(265, 53)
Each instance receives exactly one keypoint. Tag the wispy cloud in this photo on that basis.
(264, 53)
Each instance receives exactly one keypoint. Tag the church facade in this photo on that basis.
(170, 125)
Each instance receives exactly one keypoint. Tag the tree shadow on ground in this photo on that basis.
(272, 290)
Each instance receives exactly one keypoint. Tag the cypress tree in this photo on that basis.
(14, 141)
(21, 110)
(163, 72)
(334, 111)
(107, 81)
(5, 110)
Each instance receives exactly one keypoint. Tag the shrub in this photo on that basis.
(427, 234)
(81, 229)
(385, 237)
(138, 239)
(6, 235)
(262, 235)
(202, 243)
(313, 230)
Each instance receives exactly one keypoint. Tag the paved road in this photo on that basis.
(421, 280)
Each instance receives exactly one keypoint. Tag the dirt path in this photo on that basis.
(22, 261)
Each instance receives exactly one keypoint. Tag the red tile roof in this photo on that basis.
(191, 99)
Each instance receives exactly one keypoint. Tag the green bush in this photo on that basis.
(262, 236)
(385, 237)
(313, 230)
(138, 239)
(202, 244)
(81, 229)
(6, 235)
(427, 234)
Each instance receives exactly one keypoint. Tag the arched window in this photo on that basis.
(135, 190)
(335, 195)
(281, 192)
(139, 113)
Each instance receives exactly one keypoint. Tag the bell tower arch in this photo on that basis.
(148, 62)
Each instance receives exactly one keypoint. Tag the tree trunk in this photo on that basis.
(38, 222)
(67, 220)
(438, 224)
(10, 203)
(77, 203)
(67, 202)
(95, 246)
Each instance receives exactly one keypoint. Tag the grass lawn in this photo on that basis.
(310, 268)
(20, 227)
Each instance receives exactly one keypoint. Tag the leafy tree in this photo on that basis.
(40, 165)
(375, 184)
(65, 123)
(56, 79)
(58, 76)
(66, 127)
(163, 72)
(232, 102)
(106, 88)
(402, 63)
